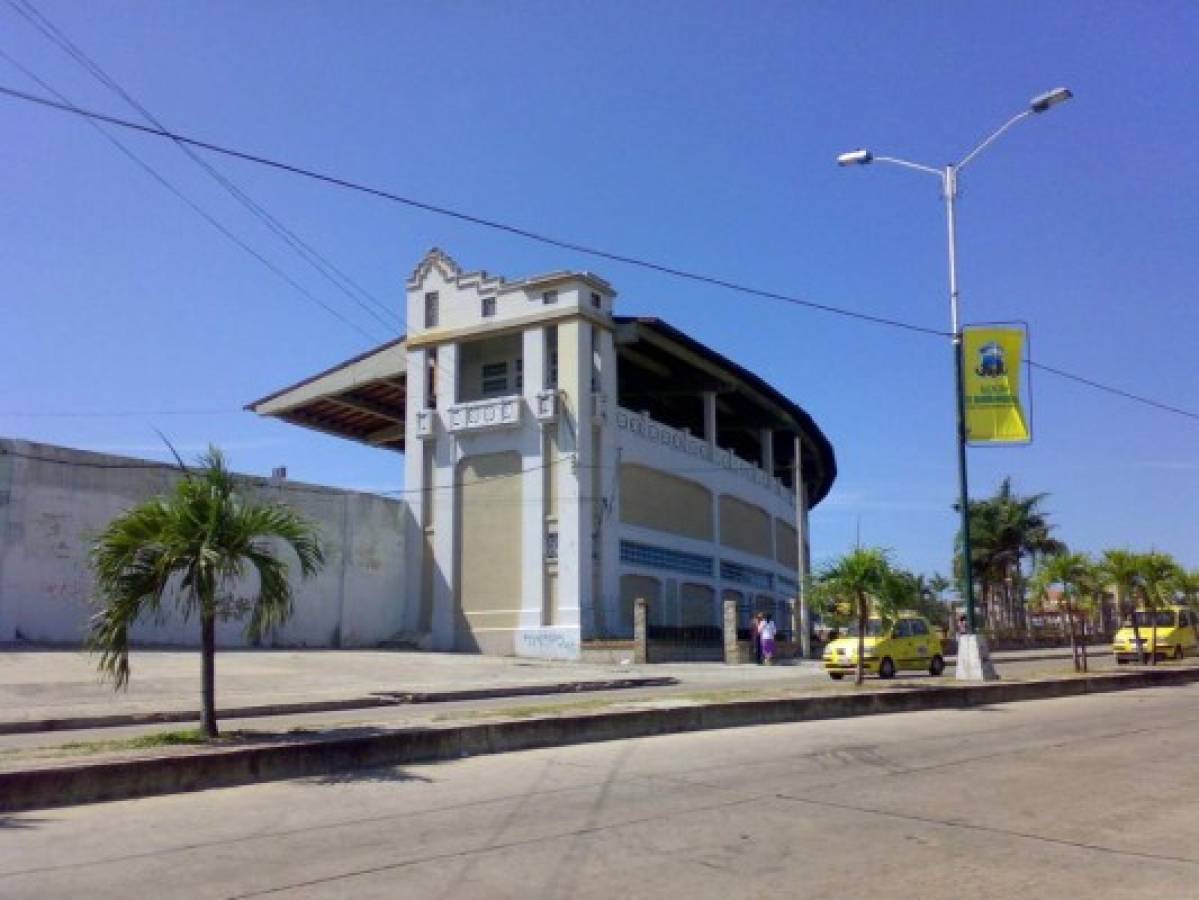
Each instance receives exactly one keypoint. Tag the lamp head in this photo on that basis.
(855, 158)
(1050, 98)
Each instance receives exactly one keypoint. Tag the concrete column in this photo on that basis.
(803, 556)
(413, 483)
(640, 631)
(766, 438)
(533, 461)
(574, 474)
(710, 420)
(445, 506)
(732, 650)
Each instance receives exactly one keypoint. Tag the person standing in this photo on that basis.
(767, 633)
(755, 627)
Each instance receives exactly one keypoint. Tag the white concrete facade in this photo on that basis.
(521, 422)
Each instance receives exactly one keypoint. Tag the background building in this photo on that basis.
(561, 461)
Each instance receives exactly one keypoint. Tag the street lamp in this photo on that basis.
(949, 186)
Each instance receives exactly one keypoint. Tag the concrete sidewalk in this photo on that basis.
(47, 684)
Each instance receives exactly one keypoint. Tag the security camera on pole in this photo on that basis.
(973, 658)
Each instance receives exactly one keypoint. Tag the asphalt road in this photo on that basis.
(1089, 797)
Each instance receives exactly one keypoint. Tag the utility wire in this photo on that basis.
(552, 241)
(468, 217)
(303, 249)
(196, 208)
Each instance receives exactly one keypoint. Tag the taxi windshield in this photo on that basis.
(874, 628)
(1162, 619)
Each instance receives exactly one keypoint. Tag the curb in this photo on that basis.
(147, 776)
(379, 698)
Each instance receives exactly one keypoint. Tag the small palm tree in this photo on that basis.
(196, 544)
(1158, 574)
(1121, 569)
(864, 579)
(1072, 574)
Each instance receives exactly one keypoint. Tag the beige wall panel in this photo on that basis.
(786, 544)
(744, 527)
(653, 499)
(489, 576)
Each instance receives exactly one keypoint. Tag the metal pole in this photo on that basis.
(950, 184)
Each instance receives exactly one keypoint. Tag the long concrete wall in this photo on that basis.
(54, 500)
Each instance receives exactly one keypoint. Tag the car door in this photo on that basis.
(903, 644)
(922, 643)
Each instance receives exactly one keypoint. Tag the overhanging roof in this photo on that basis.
(363, 399)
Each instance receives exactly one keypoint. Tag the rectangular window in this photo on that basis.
(597, 301)
(488, 307)
(551, 357)
(495, 379)
(431, 379)
(649, 556)
(549, 298)
(520, 375)
(731, 571)
(431, 309)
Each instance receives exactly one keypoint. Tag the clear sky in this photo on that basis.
(701, 135)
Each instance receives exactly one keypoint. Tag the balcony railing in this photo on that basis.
(480, 415)
(684, 442)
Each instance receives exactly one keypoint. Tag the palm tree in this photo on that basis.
(1158, 573)
(1072, 573)
(864, 579)
(195, 544)
(1005, 530)
(1120, 569)
(1187, 584)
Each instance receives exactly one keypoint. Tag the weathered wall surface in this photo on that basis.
(53, 500)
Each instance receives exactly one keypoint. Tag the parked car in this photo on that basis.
(1176, 636)
(907, 643)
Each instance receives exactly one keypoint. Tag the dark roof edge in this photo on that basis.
(828, 459)
(329, 371)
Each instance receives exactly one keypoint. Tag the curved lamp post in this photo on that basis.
(949, 185)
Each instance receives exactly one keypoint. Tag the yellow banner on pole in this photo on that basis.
(992, 357)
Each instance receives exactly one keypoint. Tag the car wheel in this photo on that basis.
(836, 676)
(936, 667)
(886, 669)
(1178, 651)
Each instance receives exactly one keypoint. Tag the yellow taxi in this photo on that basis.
(1175, 635)
(907, 643)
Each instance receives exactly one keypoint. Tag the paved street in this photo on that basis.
(1087, 796)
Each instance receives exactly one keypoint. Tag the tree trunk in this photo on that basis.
(1084, 644)
(1073, 639)
(862, 618)
(208, 673)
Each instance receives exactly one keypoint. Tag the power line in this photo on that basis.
(551, 241)
(1061, 373)
(303, 249)
(468, 217)
(191, 204)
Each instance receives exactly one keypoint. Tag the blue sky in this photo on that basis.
(701, 135)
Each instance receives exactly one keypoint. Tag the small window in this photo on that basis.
(549, 298)
(903, 628)
(918, 627)
(495, 379)
(551, 357)
(596, 300)
(431, 379)
(431, 309)
(488, 307)
(520, 375)
(551, 546)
